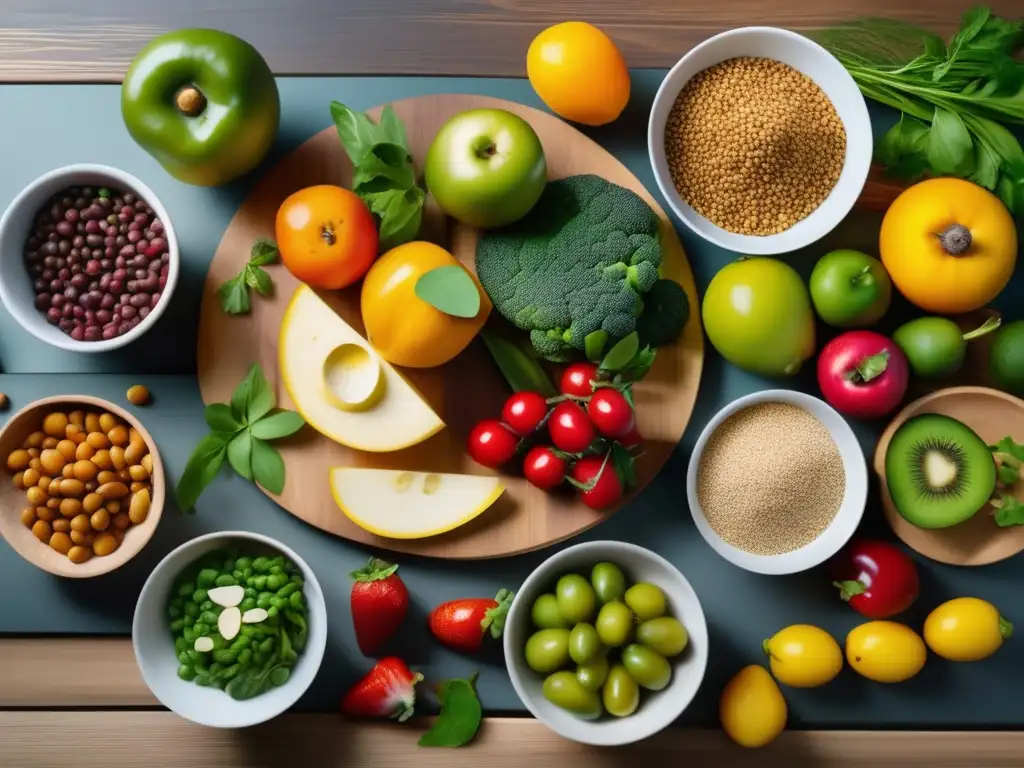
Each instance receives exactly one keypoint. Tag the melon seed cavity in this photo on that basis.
(770, 479)
(754, 145)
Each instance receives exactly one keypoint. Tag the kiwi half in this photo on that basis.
(939, 472)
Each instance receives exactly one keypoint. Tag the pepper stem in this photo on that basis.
(190, 101)
(993, 322)
(848, 589)
(1005, 628)
(956, 239)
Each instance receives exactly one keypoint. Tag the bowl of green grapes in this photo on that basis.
(606, 643)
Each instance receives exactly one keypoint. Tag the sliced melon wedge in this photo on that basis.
(397, 504)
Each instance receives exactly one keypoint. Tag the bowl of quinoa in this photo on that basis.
(777, 482)
(760, 140)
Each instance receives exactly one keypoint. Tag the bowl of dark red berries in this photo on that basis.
(88, 258)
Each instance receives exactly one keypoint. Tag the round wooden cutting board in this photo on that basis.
(467, 389)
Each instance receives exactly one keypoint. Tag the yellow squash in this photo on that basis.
(752, 709)
(404, 329)
(966, 629)
(803, 656)
(949, 245)
(885, 651)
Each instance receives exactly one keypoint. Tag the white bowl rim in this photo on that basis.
(698, 661)
(136, 185)
(767, 245)
(314, 652)
(843, 526)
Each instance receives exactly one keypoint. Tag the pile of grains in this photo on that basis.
(770, 479)
(753, 145)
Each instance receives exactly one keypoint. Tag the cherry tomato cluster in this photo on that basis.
(583, 426)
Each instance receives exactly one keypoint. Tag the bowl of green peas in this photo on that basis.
(230, 629)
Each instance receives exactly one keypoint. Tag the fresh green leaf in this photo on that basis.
(384, 162)
(1011, 192)
(258, 280)
(621, 354)
(392, 129)
(973, 21)
(460, 716)
(950, 147)
(521, 369)
(624, 464)
(902, 150)
(253, 398)
(451, 290)
(1007, 474)
(263, 252)
(239, 452)
(234, 293)
(357, 132)
(1009, 511)
(201, 468)
(639, 366)
(277, 425)
(1010, 447)
(594, 344)
(986, 166)
(267, 466)
(402, 218)
(220, 418)
(234, 296)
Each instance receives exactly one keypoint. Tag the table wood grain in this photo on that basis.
(71, 40)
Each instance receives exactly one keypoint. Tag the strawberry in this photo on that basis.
(462, 624)
(388, 690)
(379, 603)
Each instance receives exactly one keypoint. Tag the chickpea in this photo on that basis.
(68, 472)
(97, 440)
(118, 435)
(92, 422)
(73, 488)
(121, 521)
(106, 476)
(77, 418)
(118, 534)
(114, 490)
(85, 470)
(35, 440)
(138, 473)
(84, 452)
(134, 452)
(91, 486)
(61, 525)
(138, 510)
(71, 508)
(18, 460)
(136, 487)
(134, 436)
(18, 480)
(100, 520)
(30, 477)
(54, 459)
(104, 544)
(55, 424)
(53, 488)
(54, 503)
(102, 458)
(67, 449)
(80, 523)
(33, 452)
(61, 542)
(46, 514)
(113, 506)
(107, 422)
(75, 434)
(80, 538)
(35, 464)
(147, 463)
(138, 395)
(28, 516)
(49, 442)
(124, 476)
(36, 496)
(92, 502)
(117, 457)
(42, 531)
(79, 554)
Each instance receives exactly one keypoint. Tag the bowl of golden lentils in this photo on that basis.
(85, 487)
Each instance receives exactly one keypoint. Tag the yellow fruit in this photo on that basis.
(751, 708)
(578, 72)
(803, 656)
(966, 629)
(885, 651)
(404, 328)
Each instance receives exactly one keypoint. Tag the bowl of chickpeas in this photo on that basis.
(85, 485)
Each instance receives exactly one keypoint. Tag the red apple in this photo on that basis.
(863, 374)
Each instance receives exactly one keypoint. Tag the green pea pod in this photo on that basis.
(193, 655)
(251, 593)
(225, 580)
(247, 572)
(209, 618)
(237, 574)
(272, 612)
(177, 625)
(259, 658)
(189, 621)
(180, 645)
(245, 657)
(279, 676)
(215, 668)
(247, 605)
(287, 590)
(297, 579)
(175, 611)
(248, 630)
(207, 577)
(202, 679)
(243, 562)
(278, 602)
(191, 610)
(224, 655)
(206, 605)
(199, 595)
(263, 601)
(230, 672)
(261, 564)
(275, 581)
(190, 635)
(201, 628)
(260, 582)
(184, 658)
(266, 646)
(521, 370)
(218, 641)
(277, 569)
(296, 600)
(186, 589)
(218, 682)
(228, 565)
(185, 672)
(242, 641)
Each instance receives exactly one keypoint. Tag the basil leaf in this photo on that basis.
(459, 719)
(1011, 192)
(973, 21)
(254, 398)
(357, 132)
(234, 296)
(986, 166)
(202, 467)
(239, 451)
(1004, 145)
(950, 147)
(391, 128)
(277, 425)
(621, 354)
(383, 162)
(902, 149)
(401, 220)
(267, 466)
(451, 290)
(263, 252)
(220, 418)
(258, 280)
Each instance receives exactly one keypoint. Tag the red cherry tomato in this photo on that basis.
(543, 467)
(491, 443)
(610, 412)
(524, 411)
(607, 488)
(569, 427)
(876, 578)
(576, 379)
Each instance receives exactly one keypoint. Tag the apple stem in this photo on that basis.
(864, 277)
(993, 322)
(956, 239)
(190, 101)
(869, 368)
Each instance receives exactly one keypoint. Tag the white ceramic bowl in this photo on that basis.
(154, 645)
(824, 69)
(15, 284)
(657, 709)
(850, 511)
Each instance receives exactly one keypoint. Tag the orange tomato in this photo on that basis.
(578, 72)
(326, 235)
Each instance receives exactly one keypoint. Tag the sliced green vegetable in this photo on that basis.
(460, 716)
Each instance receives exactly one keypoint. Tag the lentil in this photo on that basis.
(770, 479)
(754, 145)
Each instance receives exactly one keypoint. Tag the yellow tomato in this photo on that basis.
(578, 72)
(923, 233)
(966, 629)
(885, 651)
(803, 656)
(405, 329)
(751, 708)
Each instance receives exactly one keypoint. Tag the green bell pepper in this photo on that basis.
(204, 103)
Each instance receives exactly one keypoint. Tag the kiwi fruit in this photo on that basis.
(939, 472)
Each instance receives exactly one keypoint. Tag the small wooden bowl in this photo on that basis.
(977, 541)
(12, 500)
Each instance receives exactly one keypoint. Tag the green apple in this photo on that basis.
(486, 167)
(850, 289)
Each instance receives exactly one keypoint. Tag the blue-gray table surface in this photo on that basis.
(45, 127)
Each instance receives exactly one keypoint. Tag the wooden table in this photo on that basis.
(65, 702)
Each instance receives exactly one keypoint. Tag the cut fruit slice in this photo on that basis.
(411, 505)
(320, 369)
(939, 472)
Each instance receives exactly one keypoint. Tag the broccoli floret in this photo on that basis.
(577, 264)
(666, 310)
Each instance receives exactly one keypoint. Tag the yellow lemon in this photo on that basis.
(803, 656)
(966, 629)
(885, 651)
(751, 708)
